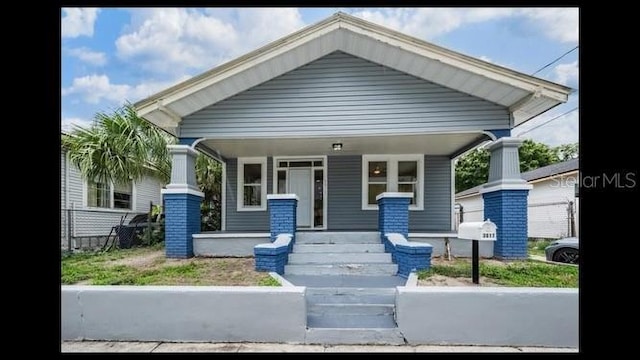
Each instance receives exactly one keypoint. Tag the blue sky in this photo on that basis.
(113, 55)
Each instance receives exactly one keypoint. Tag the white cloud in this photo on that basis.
(427, 23)
(558, 23)
(567, 74)
(555, 127)
(91, 57)
(94, 89)
(179, 41)
(78, 21)
(563, 130)
(69, 123)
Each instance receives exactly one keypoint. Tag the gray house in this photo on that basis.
(335, 115)
(89, 210)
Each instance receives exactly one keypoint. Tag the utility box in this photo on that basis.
(477, 230)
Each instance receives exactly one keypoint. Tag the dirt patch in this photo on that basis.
(139, 261)
(441, 280)
(439, 260)
(151, 267)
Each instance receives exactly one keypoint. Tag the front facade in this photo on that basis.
(338, 113)
(90, 209)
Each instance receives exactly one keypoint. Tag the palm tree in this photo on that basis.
(120, 147)
(123, 147)
(209, 178)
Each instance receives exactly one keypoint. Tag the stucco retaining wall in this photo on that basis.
(183, 313)
(488, 316)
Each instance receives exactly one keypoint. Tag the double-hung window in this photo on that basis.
(392, 173)
(252, 184)
(109, 196)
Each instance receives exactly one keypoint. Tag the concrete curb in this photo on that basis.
(183, 347)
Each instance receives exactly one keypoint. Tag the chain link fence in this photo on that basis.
(82, 229)
(546, 220)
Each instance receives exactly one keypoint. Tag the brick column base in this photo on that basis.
(508, 210)
(182, 220)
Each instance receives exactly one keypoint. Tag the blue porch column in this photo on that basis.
(393, 216)
(505, 199)
(182, 199)
(282, 215)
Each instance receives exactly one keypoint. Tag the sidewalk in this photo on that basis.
(161, 347)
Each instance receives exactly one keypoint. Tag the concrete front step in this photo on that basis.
(347, 295)
(342, 269)
(339, 258)
(329, 282)
(337, 237)
(390, 336)
(338, 248)
(351, 321)
(363, 309)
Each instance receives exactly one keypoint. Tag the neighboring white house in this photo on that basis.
(94, 208)
(552, 203)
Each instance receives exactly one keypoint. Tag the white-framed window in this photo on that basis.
(252, 184)
(392, 173)
(109, 196)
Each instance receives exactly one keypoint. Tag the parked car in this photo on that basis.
(566, 250)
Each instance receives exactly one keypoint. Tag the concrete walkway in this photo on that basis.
(163, 347)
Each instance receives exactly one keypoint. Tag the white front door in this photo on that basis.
(307, 178)
(300, 184)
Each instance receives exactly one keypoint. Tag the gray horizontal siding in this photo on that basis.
(63, 196)
(63, 179)
(340, 94)
(148, 191)
(437, 197)
(244, 220)
(344, 196)
(98, 222)
(75, 187)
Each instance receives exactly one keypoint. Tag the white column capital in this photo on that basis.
(394, 195)
(282, 197)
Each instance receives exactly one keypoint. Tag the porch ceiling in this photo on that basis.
(432, 144)
(524, 95)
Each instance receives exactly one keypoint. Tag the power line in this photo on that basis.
(548, 121)
(556, 60)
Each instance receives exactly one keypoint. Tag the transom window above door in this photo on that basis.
(392, 173)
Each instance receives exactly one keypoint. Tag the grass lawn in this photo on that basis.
(511, 273)
(536, 247)
(149, 266)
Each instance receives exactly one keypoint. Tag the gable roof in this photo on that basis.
(525, 96)
(535, 174)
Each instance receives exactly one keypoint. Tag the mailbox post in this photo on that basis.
(477, 231)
